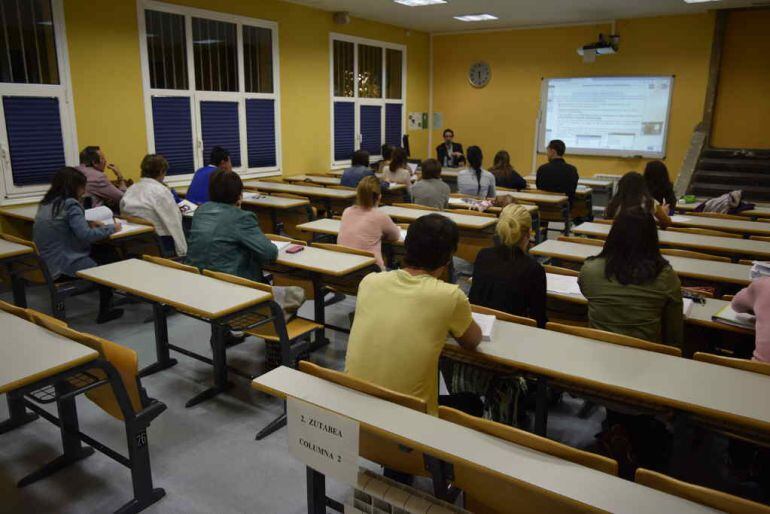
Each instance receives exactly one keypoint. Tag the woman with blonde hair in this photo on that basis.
(505, 276)
(363, 225)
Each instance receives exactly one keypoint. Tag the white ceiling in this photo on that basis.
(512, 13)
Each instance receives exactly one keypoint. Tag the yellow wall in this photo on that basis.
(103, 45)
(502, 115)
(743, 98)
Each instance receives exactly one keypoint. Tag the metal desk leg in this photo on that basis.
(316, 492)
(70, 437)
(18, 414)
(17, 286)
(541, 409)
(536, 228)
(163, 359)
(274, 221)
(219, 353)
(319, 312)
(567, 221)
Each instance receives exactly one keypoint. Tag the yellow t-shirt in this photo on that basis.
(401, 325)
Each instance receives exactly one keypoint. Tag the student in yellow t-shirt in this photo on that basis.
(403, 318)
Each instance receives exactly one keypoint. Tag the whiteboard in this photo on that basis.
(616, 116)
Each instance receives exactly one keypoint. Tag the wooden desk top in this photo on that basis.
(726, 225)
(724, 245)
(457, 443)
(684, 266)
(464, 221)
(693, 386)
(331, 181)
(325, 262)
(9, 250)
(30, 353)
(311, 191)
(204, 296)
(537, 198)
(273, 202)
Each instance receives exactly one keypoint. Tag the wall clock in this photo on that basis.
(479, 74)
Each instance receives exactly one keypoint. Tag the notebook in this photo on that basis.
(729, 317)
(102, 214)
(186, 207)
(486, 323)
(563, 284)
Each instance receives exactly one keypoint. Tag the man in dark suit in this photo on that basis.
(450, 154)
(556, 175)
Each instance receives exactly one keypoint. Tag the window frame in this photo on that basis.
(359, 101)
(196, 96)
(9, 192)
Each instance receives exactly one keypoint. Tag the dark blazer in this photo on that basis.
(558, 177)
(441, 154)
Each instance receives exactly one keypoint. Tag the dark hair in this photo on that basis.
(443, 134)
(658, 182)
(225, 187)
(387, 151)
(360, 158)
(154, 165)
(430, 242)
(632, 192)
(65, 184)
(430, 168)
(558, 146)
(475, 158)
(89, 155)
(218, 155)
(631, 249)
(501, 168)
(398, 160)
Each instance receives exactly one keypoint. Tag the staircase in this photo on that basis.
(720, 171)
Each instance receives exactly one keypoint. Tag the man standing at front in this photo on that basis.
(556, 175)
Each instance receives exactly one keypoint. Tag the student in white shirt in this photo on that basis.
(152, 200)
(476, 181)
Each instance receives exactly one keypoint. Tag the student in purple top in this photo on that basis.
(198, 192)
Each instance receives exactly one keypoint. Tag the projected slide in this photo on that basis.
(623, 116)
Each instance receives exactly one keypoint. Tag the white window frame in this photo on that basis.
(10, 193)
(197, 96)
(359, 101)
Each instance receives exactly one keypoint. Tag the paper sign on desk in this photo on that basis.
(323, 440)
(486, 323)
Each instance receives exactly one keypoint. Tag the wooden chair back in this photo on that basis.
(698, 494)
(415, 206)
(16, 311)
(556, 270)
(44, 319)
(171, 264)
(333, 186)
(471, 212)
(136, 220)
(758, 238)
(375, 445)
(704, 232)
(582, 240)
(611, 337)
(604, 222)
(343, 249)
(731, 362)
(717, 215)
(276, 237)
(504, 316)
(693, 255)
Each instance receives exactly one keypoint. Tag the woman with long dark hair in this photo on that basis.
(659, 184)
(64, 237)
(505, 175)
(631, 289)
(633, 193)
(476, 181)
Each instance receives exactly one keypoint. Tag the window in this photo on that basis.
(36, 132)
(210, 80)
(367, 90)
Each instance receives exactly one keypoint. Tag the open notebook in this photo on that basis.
(729, 317)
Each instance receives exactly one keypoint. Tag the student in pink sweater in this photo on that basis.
(363, 226)
(755, 299)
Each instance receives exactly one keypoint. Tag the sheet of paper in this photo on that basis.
(102, 214)
(187, 207)
(563, 284)
(412, 167)
(403, 235)
(687, 304)
(729, 316)
(486, 323)
(125, 226)
(678, 218)
(282, 245)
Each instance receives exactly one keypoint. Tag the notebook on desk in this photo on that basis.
(487, 323)
(737, 319)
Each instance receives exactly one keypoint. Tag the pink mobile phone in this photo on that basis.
(295, 249)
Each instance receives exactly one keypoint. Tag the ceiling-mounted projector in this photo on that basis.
(605, 46)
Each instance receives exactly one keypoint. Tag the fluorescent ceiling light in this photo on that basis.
(476, 17)
(418, 3)
(699, 1)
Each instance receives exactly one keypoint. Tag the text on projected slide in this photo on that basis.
(607, 115)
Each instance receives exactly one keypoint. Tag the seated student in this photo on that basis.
(403, 317)
(505, 175)
(556, 175)
(659, 185)
(397, 171)
(198, 192)
(505, 277)
(631, 289)
(430, 190)
(359, 168)
(387, 152)
(449, 153)
(363, 226)
(226, 238)
(63, 236)
(755, 299)
(632, 193)
(152, 200)
(99, 189)
(474, 180)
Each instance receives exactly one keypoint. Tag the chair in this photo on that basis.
(504, 316)
(582, 240)
(10, 308)
(487, 492)
(471, 212)
(699, 494)
(611, 337)
(604, 222)
(566, 311)
(348, 284)
(289, 218)
(284, 276)
(760, 238)
(416, 206)
(561, 271)
(693, 255)
(731, 362)
(704, 232)
(144, 247)
(171, 264)
(717, 215)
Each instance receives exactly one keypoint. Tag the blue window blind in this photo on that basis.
(219, 127)
(172, 126)
(393, 124)
(371, 128)
(34, 138)
(344, 130)
(260, 132)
